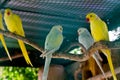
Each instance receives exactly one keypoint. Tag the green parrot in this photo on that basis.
(53, 42)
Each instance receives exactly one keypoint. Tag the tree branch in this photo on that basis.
(14, 36)
(74, 44)
(85, 56)
(13, 57)
(108, 75)
(80, 58)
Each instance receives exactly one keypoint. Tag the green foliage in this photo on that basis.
(18, 73)
(76, 51)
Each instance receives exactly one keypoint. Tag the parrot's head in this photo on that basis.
(58, 28)
(81, 30)
(91, 17)
(8, 12)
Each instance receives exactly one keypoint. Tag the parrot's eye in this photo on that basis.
(8, 13)
(79, 31)
(91, 16)
(61, 29)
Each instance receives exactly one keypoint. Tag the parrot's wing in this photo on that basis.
(53, 41)
(48, 42)
(19, 29)
(105, 31)
(85, 39)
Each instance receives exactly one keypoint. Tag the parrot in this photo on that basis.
(85, 38)
(2, 38)
(14, 25)
(53, 42)
(99, 31)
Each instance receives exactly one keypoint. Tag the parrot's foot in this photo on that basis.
(45, 53)
(98, 56)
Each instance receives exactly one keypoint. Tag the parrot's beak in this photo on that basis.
(87, 19)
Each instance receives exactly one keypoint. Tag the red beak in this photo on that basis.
(87, 19)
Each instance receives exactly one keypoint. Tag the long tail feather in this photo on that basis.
(108, 54)
(24, 51)
(99, 65)
(46, 67)
(4, 45)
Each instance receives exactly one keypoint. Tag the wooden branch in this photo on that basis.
(103, 45)
(34, 45)
(13, 57)
(74, 44)
(80, 58)
(14, 36)
(73, 57)
(108, 75)
(70, 57)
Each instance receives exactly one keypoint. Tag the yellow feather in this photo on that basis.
(108, 54)
(99, 32)
(4, 45)
(2, 37)
(14, 24)
(24, 51)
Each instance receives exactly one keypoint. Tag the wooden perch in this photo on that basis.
(15, 36)
(108, 75)
(74, 44)
(80, 58)
(13, 57)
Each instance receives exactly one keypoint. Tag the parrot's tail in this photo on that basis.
(4, 45)
(24, 51)
(99, 65)
(108, 54)
(46, 67)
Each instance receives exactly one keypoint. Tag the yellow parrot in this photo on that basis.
(14, 25)
(99, 32)
(2, 37)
